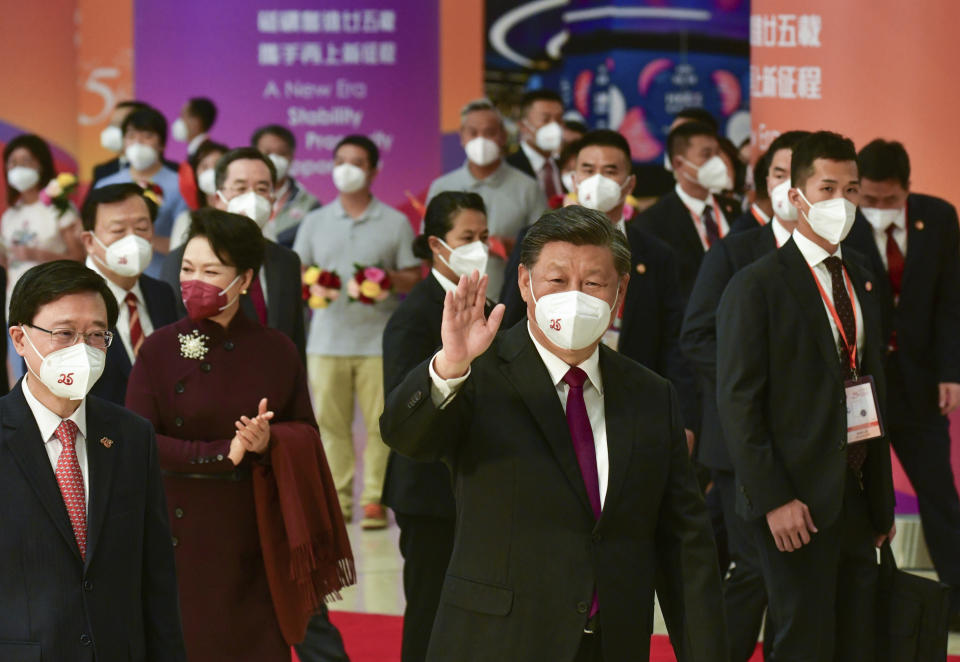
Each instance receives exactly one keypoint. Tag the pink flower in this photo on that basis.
(375, 274)
(45, 199)
(353, 288)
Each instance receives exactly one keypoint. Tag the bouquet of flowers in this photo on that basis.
(369, 285)
(57, 192)
(320, 287)
(152, 192)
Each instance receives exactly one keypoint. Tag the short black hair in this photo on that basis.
(700, 115)
(576, 127)
(605, 138)
(438, 220)
(147, 119)
(38, 147)
(679, 138)
(204, 110)
(819, 145)
(531, 97)
(236, 240)
(240, 154)
(50, 281)
(739, 167)
(578, 226)
(205, 149)
(786, 140)
(278, 130)
(569, 151)
(882, 159)
(373, 154)
(760, 171)
(131, 103)
(110, 194)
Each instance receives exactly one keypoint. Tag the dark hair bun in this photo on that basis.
(421, 247)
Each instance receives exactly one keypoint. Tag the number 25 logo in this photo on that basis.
(555, 324)
(66, 378)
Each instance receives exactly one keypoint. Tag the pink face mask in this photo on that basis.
(203, 300)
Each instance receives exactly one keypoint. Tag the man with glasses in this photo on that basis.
(245, 181)
(86, 543)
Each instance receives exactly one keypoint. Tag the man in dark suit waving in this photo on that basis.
(800, 389)
(88, 571)
(574, 492)
(912, 244)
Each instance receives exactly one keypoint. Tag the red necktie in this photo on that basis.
(259, 302)
(894, 260)
(548, 178)
(713, 230)
(136, 331)
(70, 481)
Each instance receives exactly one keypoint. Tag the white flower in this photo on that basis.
(193, 345)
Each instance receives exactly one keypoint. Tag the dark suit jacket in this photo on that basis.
(780, 390)
(528, 551)
(4, 378)
(670, 221)
(927, 319)
(745, 222)
(413, 335)
(119, 604)
(520, 161)
(162, 307)
(284, 293)
(698, 339)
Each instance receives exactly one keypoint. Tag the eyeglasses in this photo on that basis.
(68, 337)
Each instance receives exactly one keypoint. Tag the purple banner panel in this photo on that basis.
(322, 68)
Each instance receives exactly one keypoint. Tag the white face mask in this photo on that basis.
(780, 200)
(830, 219)
(207, 181)
(69, 372)
(881, 219)
(128, 256)
(549, 137)
(281, 163)
(255, 207)
(572, 320)
(179, 130)
(600, 193)
(466, 259)
(349, 178)
(141, 156)
(22, 178)
(482, 151)
(112, 138)
(568, 182)
(712, 175)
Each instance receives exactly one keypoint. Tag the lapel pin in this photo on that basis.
(106, 442)
(868, 286)
(641, 268)
(918, 225)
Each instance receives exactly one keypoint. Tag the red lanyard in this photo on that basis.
(851, 348)
(756, 214)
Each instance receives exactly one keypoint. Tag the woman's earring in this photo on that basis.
(243, 292)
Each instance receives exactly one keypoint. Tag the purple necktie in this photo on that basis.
(582, 435)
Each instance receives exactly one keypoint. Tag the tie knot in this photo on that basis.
(131, 299)
(575, 377)
(67, 432)
(891, 229)
(834, 266)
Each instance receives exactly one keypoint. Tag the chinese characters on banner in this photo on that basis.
(785, 31)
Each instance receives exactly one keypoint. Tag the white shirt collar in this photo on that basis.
(536, 158)
(780, 233)
(811, 252)
(621, 225)
(47, 421)
(557, 367)
(447, 284)
(759, 212)
(696, 206)
(118, 292)
(194, 144)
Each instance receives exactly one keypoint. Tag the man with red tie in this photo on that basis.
(912, 241)
(541, 133)
(88, 570)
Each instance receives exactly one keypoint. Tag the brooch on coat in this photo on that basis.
(193, 345)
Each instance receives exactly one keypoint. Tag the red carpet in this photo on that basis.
(376, 638)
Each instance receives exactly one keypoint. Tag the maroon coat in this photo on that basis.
(193, 404)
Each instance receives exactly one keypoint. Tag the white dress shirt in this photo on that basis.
(696, 208)
(537, 161)
(447, 284)
(759, 214)
(123, 319)
(48, 422)
(194, 144)
(443, 390)
(899, 235)
(815, 255)
(780, 233)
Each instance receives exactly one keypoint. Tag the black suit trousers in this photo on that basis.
(426, 544)
(822, 597)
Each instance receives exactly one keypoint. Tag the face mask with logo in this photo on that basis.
(568, 182)
(128, 256)
(250, 204)
(69, 372)
(112, 138)
(482, 151)
(600, 193)
(712, 175)
(466, 259)
(141, 156)
(881, 219)
(548, 137)
(203, 300)
(830, 219)
(207, 181)
(572, 320)
(179, 130)
(22, 178)
(349, 178)
(282, 165)
(780, 200)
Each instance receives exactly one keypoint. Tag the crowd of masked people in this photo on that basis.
(247, 322)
